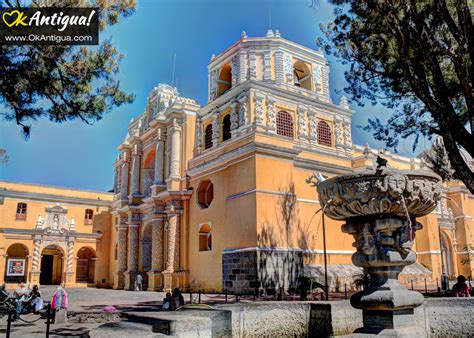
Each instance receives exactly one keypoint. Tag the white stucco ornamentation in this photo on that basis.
(339, 132)
(235, 70)
(313, 130)
(122, 247)
(157, 245)
(258, 98)
(243, 118)
(302, 127)
(317, 78)
(347, 133)
(288, 68)
(234, 118)
(215, 128)
(271, 114)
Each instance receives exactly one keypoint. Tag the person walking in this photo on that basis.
(138, 282)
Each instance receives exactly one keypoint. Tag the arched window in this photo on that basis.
(21, 211)
(302, 75)
(224, 83)
(17, 263)
(205, 237)
(88, 216)
(284, 124)
(205, 194)
(208, 137)
(324, 134)
(226, 128)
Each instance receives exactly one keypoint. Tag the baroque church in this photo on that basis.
(215, 197)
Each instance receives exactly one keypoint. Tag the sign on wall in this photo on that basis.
(16, 267)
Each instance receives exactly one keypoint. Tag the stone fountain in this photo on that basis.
(380, 209)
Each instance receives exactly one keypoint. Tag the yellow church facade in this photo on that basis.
(215, 197)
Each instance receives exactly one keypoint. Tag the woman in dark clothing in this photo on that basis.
(177, 299)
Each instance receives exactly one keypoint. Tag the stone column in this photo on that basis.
(172, 259)
(119, 280)
(132, 254)
(124, 172)
(155, 282)
(159, 160)
(267, 70)
(175, 158)
(198, 135)
(135, 182)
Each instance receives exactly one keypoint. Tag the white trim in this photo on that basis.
(280, 249)
(430, 252)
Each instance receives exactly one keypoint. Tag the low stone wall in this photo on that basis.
(441, 317)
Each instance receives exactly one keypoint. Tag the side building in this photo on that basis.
(53, 235)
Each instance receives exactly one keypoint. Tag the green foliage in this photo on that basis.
(63, 83)
(416, 58)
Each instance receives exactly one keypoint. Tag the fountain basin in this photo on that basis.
(393, 192)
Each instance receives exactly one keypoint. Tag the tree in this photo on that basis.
(63, 83)
(417, 58)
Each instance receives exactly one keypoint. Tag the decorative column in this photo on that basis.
(302, 127)
(124, 172)
(172, 259)
(155, 282)
(258, 119)
(234, 118)
(242, 66)
(198, 129)
(175, 158)
(159, 159)
(339, 134)
(313, 127)
(271, 114)
(132, 252)
(252, 65)
(243, 118)
(135, 182)
(267, 70)
(279, 75)
(215, 129)
(119, 278)
(70, 280)
(347, 136)
(35, 267)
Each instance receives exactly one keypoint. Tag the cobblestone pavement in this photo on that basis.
(90, 300)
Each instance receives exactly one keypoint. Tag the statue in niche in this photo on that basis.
(55, 222)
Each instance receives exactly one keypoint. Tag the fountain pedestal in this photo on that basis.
(380, 211)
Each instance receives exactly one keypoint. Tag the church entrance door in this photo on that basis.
(51, 266)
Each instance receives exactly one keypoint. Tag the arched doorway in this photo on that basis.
(447, 255)
(85, 270)
(17, 262)
(51, 265)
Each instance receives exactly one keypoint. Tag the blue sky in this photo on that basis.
(77, 155)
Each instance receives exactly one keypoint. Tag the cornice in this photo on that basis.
(53, 198)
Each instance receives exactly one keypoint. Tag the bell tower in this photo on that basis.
(274, 86)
